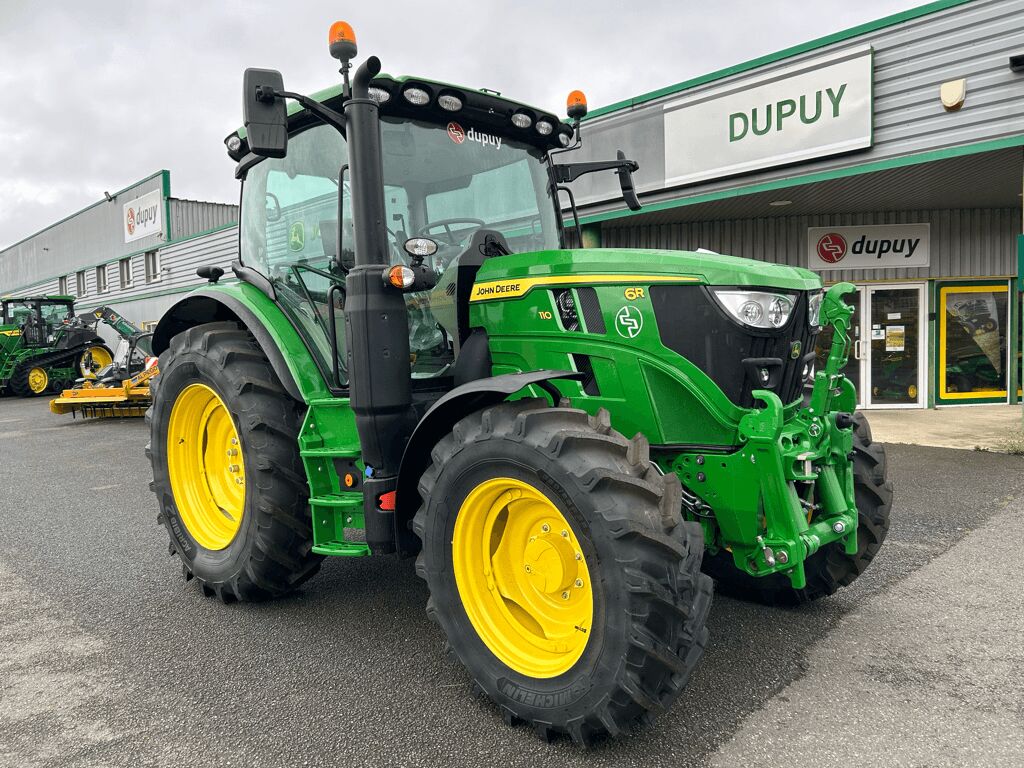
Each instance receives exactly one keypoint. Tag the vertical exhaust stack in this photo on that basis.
(376, 321)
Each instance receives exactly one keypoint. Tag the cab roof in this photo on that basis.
(47, 297)
(480, 109)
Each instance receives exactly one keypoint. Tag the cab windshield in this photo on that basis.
(442, 182)
(52, 313)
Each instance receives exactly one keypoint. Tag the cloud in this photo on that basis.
(98, 95)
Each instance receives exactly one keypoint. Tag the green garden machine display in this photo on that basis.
(414, 361)
(44, 347)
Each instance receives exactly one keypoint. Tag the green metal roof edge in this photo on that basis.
(166, 187)
(811, 178)
(746, 66)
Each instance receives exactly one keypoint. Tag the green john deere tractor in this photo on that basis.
(412, 361)
(44, 347)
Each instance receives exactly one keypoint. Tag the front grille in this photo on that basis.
(692, 324)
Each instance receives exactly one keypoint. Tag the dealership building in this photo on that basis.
(136, 250)
(890, 155)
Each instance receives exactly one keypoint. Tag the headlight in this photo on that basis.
(378, 94)
(814, 308)
(758, 309)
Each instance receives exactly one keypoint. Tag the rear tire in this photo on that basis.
(649, 599)
(270, 554)
(829, 568)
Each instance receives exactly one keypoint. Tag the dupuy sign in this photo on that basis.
(816, 107)
(882, 246)
(143, 216)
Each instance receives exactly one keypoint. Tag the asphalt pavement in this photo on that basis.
(108, 658)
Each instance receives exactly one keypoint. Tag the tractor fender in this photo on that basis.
(211, 306)
(438, 421)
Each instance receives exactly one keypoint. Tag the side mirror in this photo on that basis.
(273, 207)
(625, 174)
(265, 115)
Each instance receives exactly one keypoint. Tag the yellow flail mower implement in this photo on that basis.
(107, 400)
(120, 388)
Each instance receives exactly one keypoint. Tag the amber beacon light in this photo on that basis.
(342, 40)
(576, 105)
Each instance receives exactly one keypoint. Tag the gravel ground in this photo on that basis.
(108, 658)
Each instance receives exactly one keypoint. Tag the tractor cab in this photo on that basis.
(38, 317)
(464, 176)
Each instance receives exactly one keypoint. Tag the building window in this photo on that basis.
(80, 284)
(101, 279)
(126, 273)
(62, 286)
(152, 266)
(973, 331)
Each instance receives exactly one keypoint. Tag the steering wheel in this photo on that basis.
(450, 237)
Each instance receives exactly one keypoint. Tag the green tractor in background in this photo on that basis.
(413, 361)
(44, 347)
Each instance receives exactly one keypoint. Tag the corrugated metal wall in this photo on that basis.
(190, 217)
(977, 243)
(144, 301)
(911, 60)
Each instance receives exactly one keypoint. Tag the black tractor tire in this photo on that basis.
(830, 567)
(18, 385)
(271, 554)
(650, 598)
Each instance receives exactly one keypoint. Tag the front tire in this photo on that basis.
(560, 570)
(226, 466)
(28, 380)
(830, 567)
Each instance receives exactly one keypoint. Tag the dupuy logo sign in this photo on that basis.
(880, 246)
(831, 248)
(455, 132)
(143, 216)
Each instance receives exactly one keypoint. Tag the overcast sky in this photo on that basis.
(97, 95)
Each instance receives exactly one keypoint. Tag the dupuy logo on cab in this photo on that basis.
(832, 248)
(455, 132)
(131, 221)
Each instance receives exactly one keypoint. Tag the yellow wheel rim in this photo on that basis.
(38, 381)
(92, 360)
(206, 467)
(522, 578)
(912, 391)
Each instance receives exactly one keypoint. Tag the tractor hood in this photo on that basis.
(634, 264)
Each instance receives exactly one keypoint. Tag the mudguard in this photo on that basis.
(262, 318)
(439, 420)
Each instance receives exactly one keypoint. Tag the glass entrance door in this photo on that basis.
(887, 361)
(892, 347)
